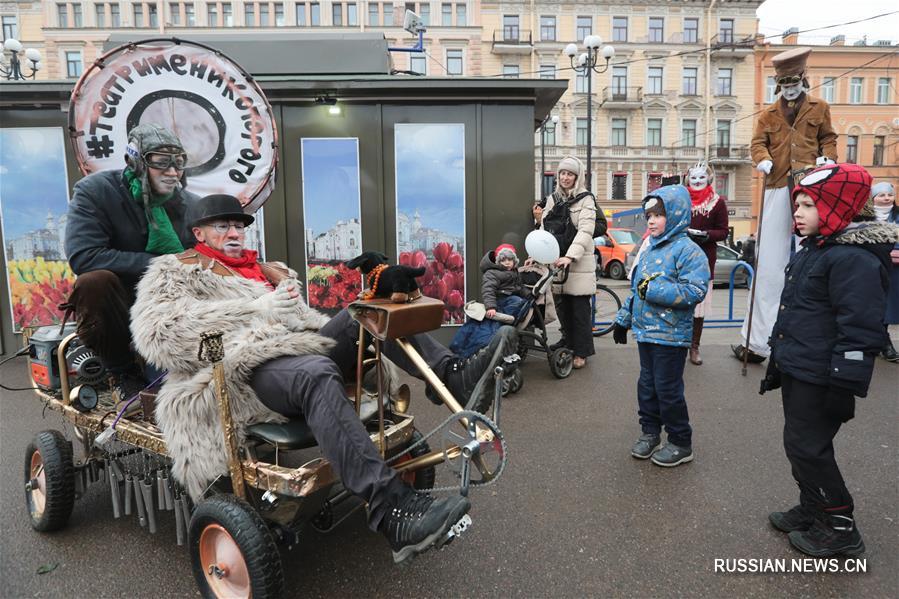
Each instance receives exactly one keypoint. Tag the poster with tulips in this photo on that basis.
(331, 213)
(34, 196)
(430, 209)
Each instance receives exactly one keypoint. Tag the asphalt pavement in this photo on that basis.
(573, 516)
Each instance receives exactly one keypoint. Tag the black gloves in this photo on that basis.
(643, 285)
(771, 380)
(619, 334)
(839, 403)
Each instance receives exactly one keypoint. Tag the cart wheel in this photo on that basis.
(423, 479)
(560, 362)
(49, 481)
(507, 386)
(516, 382)
(232, 551)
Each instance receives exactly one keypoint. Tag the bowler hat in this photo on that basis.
(218, 206)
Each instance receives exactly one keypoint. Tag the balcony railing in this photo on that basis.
(622, 95)
(512, 40)
(729, 153)
(718, 154)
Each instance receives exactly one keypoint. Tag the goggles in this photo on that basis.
(165, 161)
(790, 79)
(222, 227)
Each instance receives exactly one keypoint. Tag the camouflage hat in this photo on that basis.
(150, 136)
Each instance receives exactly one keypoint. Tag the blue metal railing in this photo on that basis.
(730, 321)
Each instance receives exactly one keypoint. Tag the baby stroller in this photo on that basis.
(531, 325)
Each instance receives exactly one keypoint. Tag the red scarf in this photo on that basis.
(698, 197)
(246, 266)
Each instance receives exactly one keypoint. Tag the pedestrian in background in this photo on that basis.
(671, 277)
(886, 210)
(823, 347)
(570, 214)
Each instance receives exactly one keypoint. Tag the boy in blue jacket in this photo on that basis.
(823, 345)
(671, 277)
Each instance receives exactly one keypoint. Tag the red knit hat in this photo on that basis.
(839, 192)
(505, 248)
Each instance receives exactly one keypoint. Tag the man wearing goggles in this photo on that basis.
(790, 136)
(117, 221)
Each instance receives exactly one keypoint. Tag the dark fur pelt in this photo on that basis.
(176, 303)
(396, 282)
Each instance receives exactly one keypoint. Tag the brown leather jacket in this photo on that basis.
(793, 148)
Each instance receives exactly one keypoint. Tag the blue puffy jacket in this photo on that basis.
(665, 317)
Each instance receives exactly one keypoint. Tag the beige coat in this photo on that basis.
(582, 273)
(793, 148)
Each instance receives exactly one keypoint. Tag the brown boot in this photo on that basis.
(695, 357)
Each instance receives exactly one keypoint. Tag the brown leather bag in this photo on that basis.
(388, 320)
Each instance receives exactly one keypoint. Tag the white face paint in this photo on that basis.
(698, 178)
(791, 92)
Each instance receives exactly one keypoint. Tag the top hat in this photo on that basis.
(791, 62)
(218, 206)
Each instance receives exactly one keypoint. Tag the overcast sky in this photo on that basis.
(776, 16)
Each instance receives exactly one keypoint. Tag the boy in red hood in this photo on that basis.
(823, 346)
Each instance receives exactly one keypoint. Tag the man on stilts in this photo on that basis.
(790, 135)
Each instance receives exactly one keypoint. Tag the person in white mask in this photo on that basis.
(883, 198)
(790, 137)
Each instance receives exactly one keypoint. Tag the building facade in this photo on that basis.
(860, 83)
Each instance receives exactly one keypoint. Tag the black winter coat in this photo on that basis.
(106, 229)
(829, 325)
(497, 282)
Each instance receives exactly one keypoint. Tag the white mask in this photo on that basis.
(698, 178)
(791, 92)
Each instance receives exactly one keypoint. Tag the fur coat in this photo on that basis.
(177, 302)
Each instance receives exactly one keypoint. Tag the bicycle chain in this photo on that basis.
(443, 425)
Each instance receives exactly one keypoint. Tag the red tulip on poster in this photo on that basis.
(405, 258)
(455, 261)
(442, 251)
(455, 301)
(419, 259)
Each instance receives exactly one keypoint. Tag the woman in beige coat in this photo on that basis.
(572, 297)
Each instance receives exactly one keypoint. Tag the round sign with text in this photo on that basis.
(216, 109)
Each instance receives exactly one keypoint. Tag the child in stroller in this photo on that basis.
(503, 297)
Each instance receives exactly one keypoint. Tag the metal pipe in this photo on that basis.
(141, 512)
(185, 510)
(429, 459)
(146, 489)
(114, 493)
(179, 521)
(429, 376)
(166, 481)
(360, 354)
(160, 490)
(708, 76)
(591, 58)
(382, 442)
(129, 491)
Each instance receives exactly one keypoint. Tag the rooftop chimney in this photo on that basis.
(838, 40)
(791, 36)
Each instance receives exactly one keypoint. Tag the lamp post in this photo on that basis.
(548, 124)
(586, 65)
(13, 71)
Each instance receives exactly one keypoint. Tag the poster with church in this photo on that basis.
(430, 209)
(34, 195)
(331, 213)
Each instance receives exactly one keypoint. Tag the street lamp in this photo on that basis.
(548, 125)
(13, 71)
(586, 65)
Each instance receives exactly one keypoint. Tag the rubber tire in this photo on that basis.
(516, 382)
(425, 478)
(616, 270)
(252, 536)
(59, 474)
(561, 361)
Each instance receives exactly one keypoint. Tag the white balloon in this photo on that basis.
(542, 246)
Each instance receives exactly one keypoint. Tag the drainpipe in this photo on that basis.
(708, 77)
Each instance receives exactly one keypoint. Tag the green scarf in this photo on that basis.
(162, 238)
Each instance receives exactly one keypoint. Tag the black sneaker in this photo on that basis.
(471, 380)
(829, 536)
(672, 455)
(797, 518)
(889, 352)
(751, 358)
(420, 522)
(646, 445)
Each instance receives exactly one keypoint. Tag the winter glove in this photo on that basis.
(619, 334)
(698, 236)
(839, 403)
(278, 303)
(764, 167)
(771, 380)
(643, 285)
